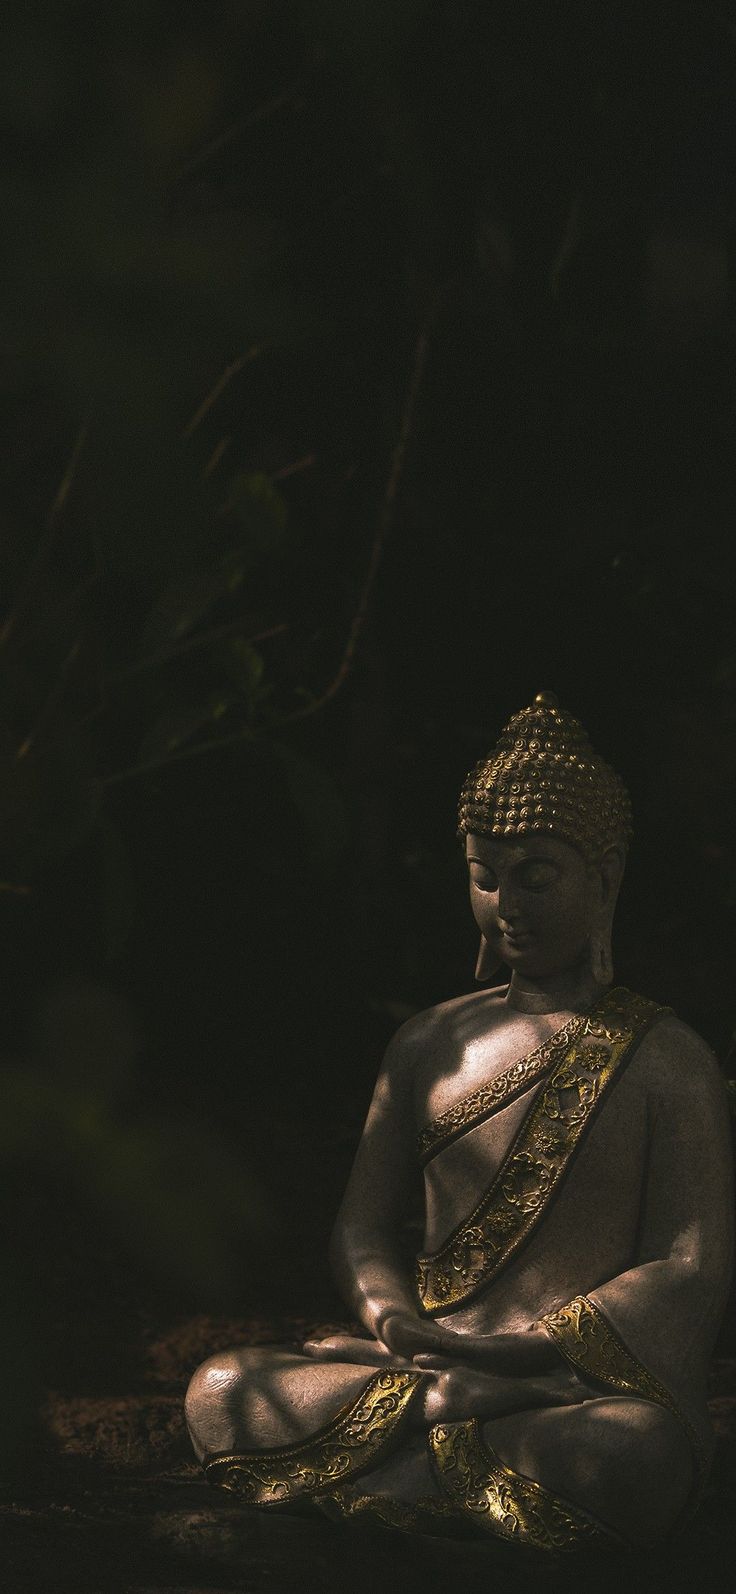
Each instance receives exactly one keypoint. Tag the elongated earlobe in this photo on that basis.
(601, 958)
(487, 964)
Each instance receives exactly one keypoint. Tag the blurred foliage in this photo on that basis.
(70, 1105)
(224, 230)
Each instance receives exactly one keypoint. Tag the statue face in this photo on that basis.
(535, 900)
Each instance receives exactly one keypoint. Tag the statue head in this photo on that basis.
(546, 823)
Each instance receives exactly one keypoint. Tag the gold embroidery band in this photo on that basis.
(593, 1348)
(539, 1158)
(361, 1433)
(488, 1099)
(419, 1516)
(504, 1502)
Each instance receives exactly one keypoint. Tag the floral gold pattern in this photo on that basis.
(346, 1447)
(504, 1502)
(593, 1348)
(419, 1516)
(540, 1156)
(497, 1093)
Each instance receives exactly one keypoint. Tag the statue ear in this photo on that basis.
(487, 964)
(601, 959)
(611, 868)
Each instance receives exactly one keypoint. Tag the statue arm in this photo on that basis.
(667, 1307)
(365, 1250)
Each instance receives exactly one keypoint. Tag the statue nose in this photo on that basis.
(507, 909)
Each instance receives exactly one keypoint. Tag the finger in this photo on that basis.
(441, 1345)
(424, 1335)
(435, 1331)
(346, 1348)
(433, 1362)
(320, 1349)
(331, 1345)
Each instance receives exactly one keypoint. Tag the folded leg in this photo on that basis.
(606, 1470)
(626, 1463)
(262, 1397)
(278, 1429)
(275, 1426)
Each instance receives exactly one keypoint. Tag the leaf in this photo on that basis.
(260, 510)
(177, 726)
(245, 667)
(319, 805)
(185, 602)
(261, 490)
(261, 514)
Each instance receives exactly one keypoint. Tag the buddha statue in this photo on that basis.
(541, 1380)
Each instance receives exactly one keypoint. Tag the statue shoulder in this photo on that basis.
(432, 1029)
(679, 1067)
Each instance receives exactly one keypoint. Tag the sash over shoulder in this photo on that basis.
(591, 1057)
(488, 1099)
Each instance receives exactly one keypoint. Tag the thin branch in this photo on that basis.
(60, 497)
(153, 765)
(218, 451)
(189, 644)
(384, 527)
(52, 702)
(305, 463)
(222, 382)
(260, 113)
(65, 484)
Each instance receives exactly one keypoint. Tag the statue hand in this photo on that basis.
(350, 1348)
(518, 1354)
(412, 1336)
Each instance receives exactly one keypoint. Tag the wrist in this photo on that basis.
(386, 1311)
(389, 1320)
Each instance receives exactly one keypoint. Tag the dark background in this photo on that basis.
(367, 368)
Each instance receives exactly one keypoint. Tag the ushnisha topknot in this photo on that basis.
(544, 778)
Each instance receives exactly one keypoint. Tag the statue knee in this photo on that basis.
(641, 1456)
(208, 1402)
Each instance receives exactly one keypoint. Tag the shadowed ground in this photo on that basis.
(111, 1500)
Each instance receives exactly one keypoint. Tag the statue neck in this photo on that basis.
(572, 990)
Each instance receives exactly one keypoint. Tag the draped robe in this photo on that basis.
(586, 1188)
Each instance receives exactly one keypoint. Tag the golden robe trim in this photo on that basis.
(487, 1099)
(352, 1442)
(593, 1348)
(540, 1156)
(504, 1502)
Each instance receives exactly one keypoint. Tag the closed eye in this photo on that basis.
(537, 874)
(483, 878)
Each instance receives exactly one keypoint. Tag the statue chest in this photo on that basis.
(589, 1227)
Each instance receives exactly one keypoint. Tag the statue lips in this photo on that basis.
(517, 938)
